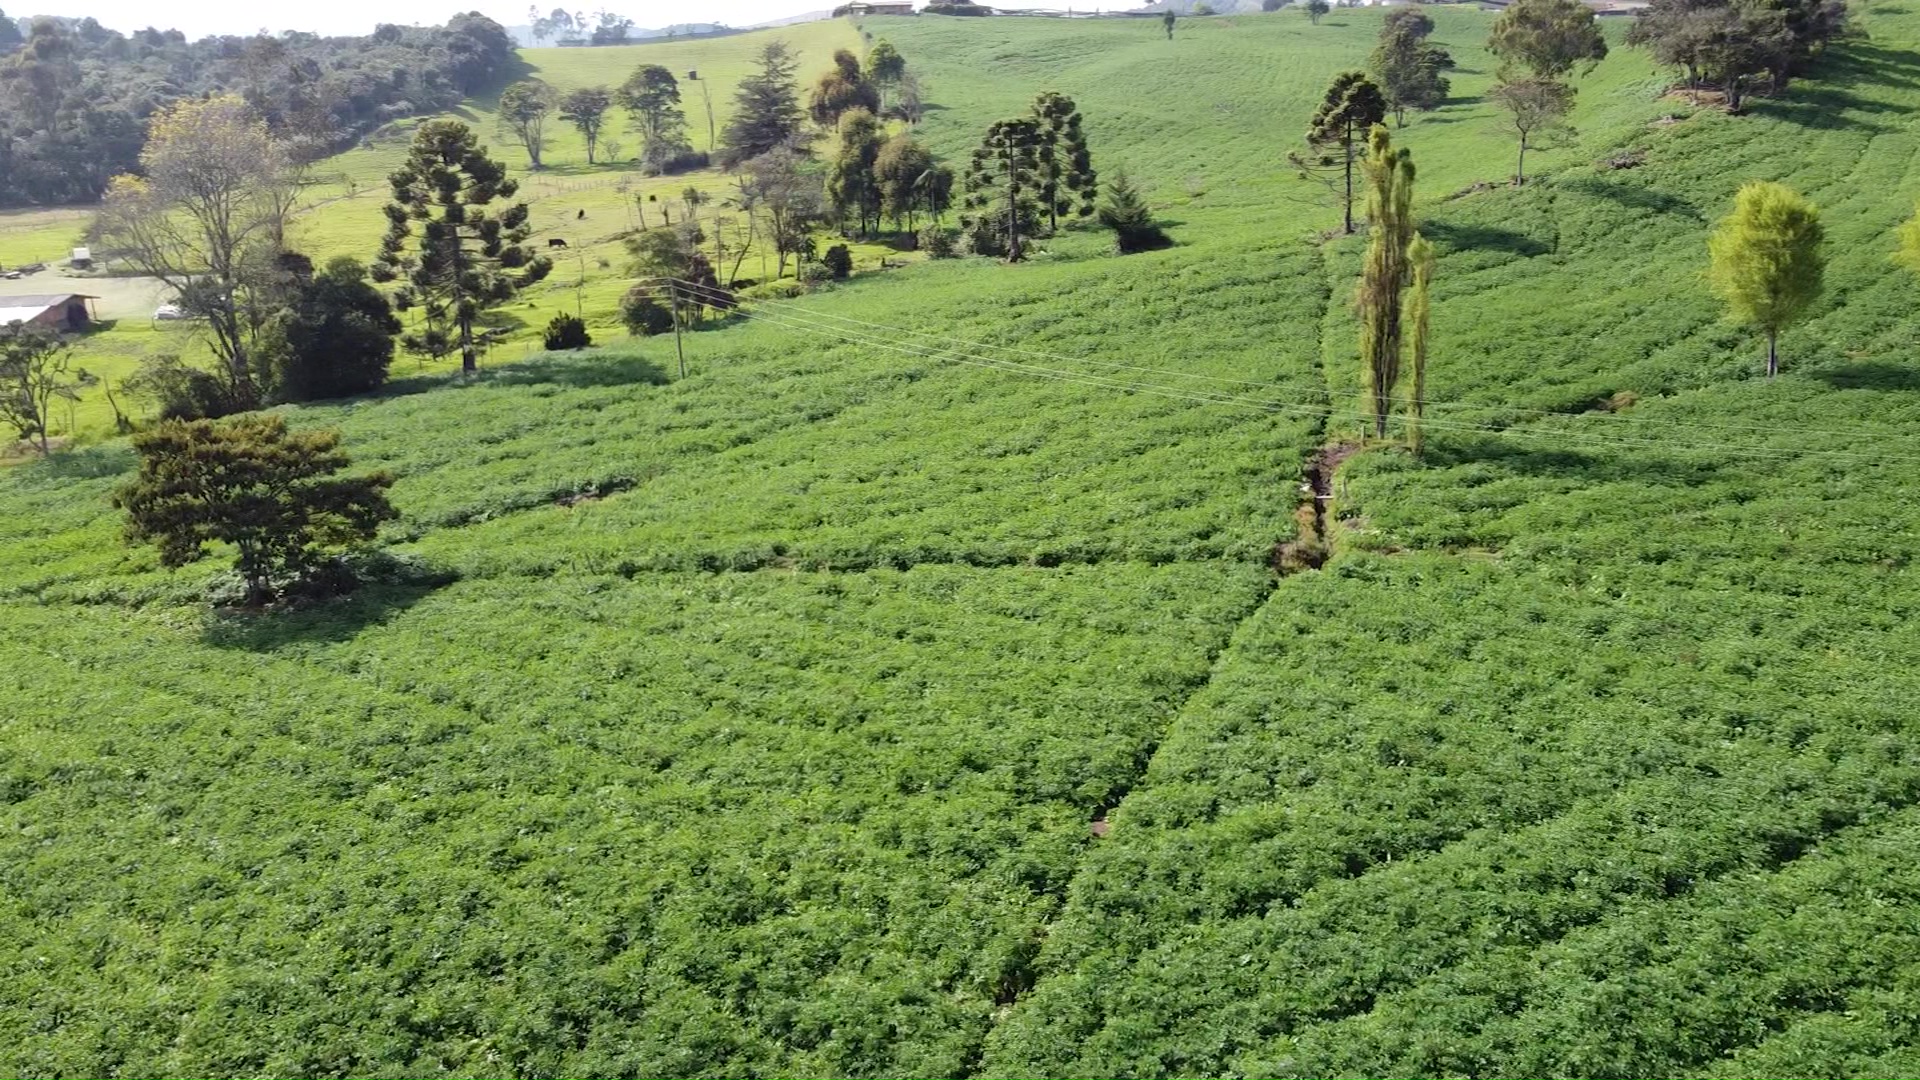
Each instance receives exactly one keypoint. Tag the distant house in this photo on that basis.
(862, 8)
(58, 311)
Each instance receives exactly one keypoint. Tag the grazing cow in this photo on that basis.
(556, 242)
(581, 216)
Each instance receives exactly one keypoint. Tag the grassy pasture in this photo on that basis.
(1588, 753)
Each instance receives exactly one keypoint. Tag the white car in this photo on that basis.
(169, 312)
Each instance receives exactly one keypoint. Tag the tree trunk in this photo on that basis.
(1520, 170)
(1349, 207)
(1773, 353)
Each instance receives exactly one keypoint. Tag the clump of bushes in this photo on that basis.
(838, 261)
(936, 242)
(567, 332)
(643, 313)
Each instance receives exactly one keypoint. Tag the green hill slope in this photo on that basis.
(895, 709)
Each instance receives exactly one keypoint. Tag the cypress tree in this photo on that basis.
(1389, 175)
(1419, 303)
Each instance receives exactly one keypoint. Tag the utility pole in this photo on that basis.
(673, 291)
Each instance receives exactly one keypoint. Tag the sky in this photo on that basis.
(199, 18)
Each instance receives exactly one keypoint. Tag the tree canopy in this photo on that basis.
(1767, 260)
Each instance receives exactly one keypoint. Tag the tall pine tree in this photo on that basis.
(467, 259)
(766, 110)
(1001, 183)
(1352, 106)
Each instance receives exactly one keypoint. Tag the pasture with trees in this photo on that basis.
(1070, 668)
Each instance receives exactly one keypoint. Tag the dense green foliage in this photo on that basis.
(250, 483)
(851, 706)
(333, 339)
(1767, 260)
(74, 100)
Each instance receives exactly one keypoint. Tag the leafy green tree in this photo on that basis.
(586, 109)
(1316, 10)
(838, 261)
(1410, 69)
(842, 90)
(1421, 258)
(851, 185)
(335, 338)
(1384, 273)
(1066, 177)
(1002, 212)
(1767, 260)
(900, 170)
(524, 108)
(248, 481)
(788, 196)
(1535, 108)
(1127, 214)
(651, 97)
(1352, 106)
(1168, 20)
(34, 373)
(766, 110)
(1547, 38)
(1728, 43)
(885, 68)
(467, 259)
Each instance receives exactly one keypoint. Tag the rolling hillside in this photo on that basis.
(867, 703)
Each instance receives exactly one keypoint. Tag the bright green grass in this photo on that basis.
(1590, 753)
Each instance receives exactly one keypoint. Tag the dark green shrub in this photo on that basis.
(567, 332)
(838, 261)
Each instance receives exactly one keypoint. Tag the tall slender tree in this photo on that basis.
(885, 67)
(1352, 106)
(852, 186)
(1420, 257)
(1067, 181)
(1384, 274)
(467, 258)
(1767, 260)
(1535, 108)
(651, 97)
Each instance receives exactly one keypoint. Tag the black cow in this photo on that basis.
(581, 216)
(556, 242)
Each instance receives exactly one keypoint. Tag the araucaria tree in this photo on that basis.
(468, 259)
(1767, 260)
(524, 108)
(1547, 39)
(1001, 185)
(34, 373)
(1535, 108)
(1067, 180)
(1421, 259)
(766, 111)
(586, 109)
(1384, 275)
(249, 482)
(203, 220)
(1353, 105)
(651, 96)
(1408, 66)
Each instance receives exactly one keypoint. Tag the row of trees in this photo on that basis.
(76, 97)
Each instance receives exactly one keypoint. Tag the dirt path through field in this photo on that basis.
(120, 297)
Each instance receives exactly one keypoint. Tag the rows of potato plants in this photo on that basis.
(747, 823)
